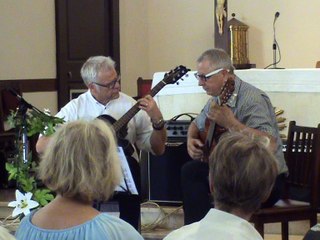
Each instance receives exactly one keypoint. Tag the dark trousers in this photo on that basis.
(197, 199)
(129, 204)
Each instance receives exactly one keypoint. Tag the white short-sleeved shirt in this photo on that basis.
(88, 108)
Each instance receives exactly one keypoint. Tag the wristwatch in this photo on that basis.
(159, 125)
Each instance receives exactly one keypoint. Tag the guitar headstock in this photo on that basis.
(227, 91)
(174, 75)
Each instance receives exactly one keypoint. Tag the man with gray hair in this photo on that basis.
(145, 130)
(235, 106)
(238, 187)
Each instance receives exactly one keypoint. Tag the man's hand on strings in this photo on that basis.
(148, 104)
(194, 147)
(222, 115)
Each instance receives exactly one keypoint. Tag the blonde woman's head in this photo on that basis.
(81, 161)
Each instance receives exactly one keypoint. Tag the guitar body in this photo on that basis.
(212, 133)
(120, 126)
(121, 134)
(208, 147)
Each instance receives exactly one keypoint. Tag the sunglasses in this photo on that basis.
(207, 76)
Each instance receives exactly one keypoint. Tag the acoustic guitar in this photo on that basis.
(120, 126)
(210, 136)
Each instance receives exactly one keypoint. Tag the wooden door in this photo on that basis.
(84, 28)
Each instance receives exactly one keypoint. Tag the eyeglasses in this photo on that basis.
(111, 84)
(207, 76)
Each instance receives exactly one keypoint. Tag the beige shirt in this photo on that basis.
(216, 225)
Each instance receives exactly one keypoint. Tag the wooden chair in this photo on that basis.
(318, 64)
(303, 160)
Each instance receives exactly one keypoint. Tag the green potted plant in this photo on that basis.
(21, 171)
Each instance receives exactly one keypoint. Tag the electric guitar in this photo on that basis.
(210, 136)
(120, 126)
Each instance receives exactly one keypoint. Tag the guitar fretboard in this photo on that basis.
(135, 109)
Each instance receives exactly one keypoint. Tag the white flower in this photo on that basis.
(23, 203)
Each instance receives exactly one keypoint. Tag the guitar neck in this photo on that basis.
(135, 109)
(214, 130)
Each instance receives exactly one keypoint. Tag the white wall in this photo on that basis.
(157, 35)
(28, 49)
(178, 32)
(133, 43)
(297, 30)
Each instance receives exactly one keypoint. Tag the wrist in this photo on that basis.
(236, 127)
(158, 124)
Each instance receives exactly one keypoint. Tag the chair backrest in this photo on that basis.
(303, 158)
(144, 86)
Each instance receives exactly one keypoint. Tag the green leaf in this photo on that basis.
(21, 171)
(27, 184)
(43, 196)
(12, 170)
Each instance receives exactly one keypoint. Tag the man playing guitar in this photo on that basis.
(235, 106)
(145, 130)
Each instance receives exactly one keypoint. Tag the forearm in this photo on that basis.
(194, 144)
(193, 131)
(240, 127)
(158, 139)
